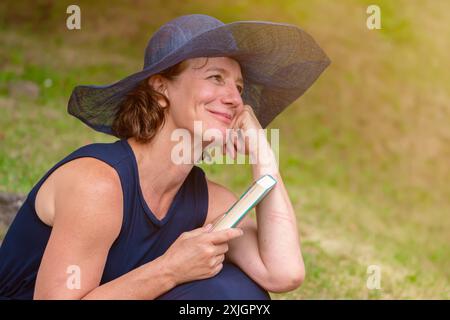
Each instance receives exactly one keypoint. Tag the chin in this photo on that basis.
(216, 126)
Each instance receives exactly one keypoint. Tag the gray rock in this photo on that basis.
(9, 205)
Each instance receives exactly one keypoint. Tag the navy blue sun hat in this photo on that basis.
(278, 61)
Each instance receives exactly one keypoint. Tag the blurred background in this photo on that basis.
(365, 153)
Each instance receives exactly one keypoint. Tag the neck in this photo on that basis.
(157, 172)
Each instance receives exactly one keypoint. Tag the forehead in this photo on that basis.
(226, 65)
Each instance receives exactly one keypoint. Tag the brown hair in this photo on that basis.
(140, 115)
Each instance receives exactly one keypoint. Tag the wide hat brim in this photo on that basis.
(279, 62)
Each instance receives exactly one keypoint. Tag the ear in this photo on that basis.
(159, 83)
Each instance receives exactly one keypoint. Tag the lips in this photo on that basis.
(223, 116)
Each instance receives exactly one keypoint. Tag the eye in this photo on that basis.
(216, 76)
(219, 77)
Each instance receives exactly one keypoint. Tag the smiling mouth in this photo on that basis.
(222, 116)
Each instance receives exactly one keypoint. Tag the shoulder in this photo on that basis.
(87, 185)
(88, 197)
(87, 179)
(87, 167)
(220, 200)
(91, 165)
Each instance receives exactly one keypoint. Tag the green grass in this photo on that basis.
(364, 153)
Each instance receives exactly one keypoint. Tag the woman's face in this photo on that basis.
(209, 90)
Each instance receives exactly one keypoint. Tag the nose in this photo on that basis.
(232, 97)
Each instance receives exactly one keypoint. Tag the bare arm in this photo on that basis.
(278, 239)
(144, 283)
(88, 218)
(269, 251)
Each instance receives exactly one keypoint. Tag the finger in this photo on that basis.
(221, 248)
(198, 231)
(250, 110)
(241, 142)
(220, 260)
(233, 121)
(218, 237)
(229, 143)
(235, 142)
(217, 269)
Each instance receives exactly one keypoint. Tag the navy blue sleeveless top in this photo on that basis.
(142, 238)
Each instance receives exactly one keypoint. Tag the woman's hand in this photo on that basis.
(248, 137)
(198, 254)
(246, 119)
(244, 127)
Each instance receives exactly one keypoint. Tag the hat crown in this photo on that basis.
(176, 33)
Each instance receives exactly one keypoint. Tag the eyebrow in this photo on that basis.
(222, 70)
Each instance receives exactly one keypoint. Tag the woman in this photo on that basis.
(123, 221)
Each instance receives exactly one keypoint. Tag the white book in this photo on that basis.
(254, 194)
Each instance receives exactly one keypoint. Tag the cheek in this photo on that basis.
(191, 105)
(209, 121)
(205, 98)
(213, 126)
(182, 110)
